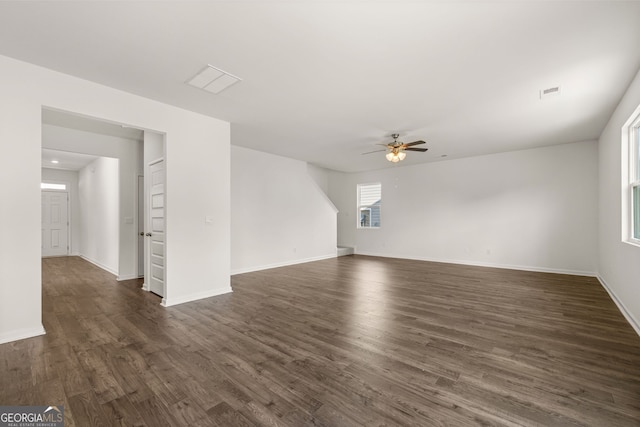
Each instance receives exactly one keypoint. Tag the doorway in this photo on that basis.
(104, 158)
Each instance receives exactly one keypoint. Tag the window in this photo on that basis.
(369, 201)
(634, 178)
(52, 186)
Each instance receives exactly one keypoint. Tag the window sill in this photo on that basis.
(632, 242)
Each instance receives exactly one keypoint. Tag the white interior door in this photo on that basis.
(140, 226)
(155, 232)
(55, 223)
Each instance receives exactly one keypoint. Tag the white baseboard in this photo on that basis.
(21, 334)
(194, 297)
(97, 264)
(145, 287)
(127, 277)
(623, 309)
(282, 264)
(487, 264)
(345, 250)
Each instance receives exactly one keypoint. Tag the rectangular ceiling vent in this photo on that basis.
(550, 92)
(213, 79)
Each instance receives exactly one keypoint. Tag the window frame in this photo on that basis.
(52, 185)
(633, 180)
(359, 207)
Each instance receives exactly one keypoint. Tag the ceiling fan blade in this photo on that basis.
(375, 151)
(409, 144)
(422, 150)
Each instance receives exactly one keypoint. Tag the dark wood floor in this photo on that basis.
(341, 342)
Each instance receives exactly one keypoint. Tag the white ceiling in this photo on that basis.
(325, 81)
(66, 160)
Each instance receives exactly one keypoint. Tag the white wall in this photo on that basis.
(98, 187)
(534, 209)
(619, 262)
(197, 159)
(279, 215)
(71, 178)
(126, 151)
(321, 176)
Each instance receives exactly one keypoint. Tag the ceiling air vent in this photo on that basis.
(213, 79)
(550, 92)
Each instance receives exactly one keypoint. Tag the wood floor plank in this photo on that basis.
(87, 411)
(350, 341)
(123, 413)
(155, 413)
(224, 415)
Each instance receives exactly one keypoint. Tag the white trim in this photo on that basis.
(194, 297)
(97, 264)
(127, 277)
(21, 334)
(145, 287)
(633, 242)
(283, 264)
(632, 230)
(488, 264)
(140, 222)
(630, 174)
(635, 324)
(344, 250)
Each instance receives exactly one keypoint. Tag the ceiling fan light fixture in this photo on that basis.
(396, 155)
(396, 149)
(393, 157)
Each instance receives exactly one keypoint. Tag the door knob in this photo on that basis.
(148, 234)
(142, 233)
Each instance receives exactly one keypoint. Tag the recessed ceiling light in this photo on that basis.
(213, 79)
(55, 162)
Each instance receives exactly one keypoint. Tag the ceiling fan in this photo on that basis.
(396, 149)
